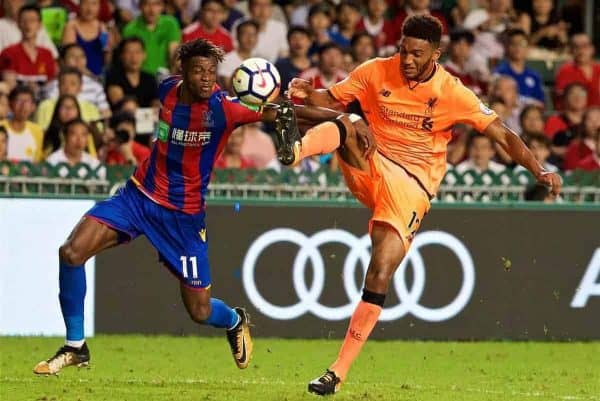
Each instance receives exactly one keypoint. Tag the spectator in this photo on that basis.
(66, 109)
(77, 134)
(128, 104)
(419, 7)
(126, 77)
(546, 29)
(528, 80)
(232, 15)
(24, 137)
(11, 32)
(459, 12)
(488, 23)
(348, 15)
(54, 19)
(90, 33)
(127, 10)
(26, 62)
(329, 70)
(120, 140)
(106, 9)
(258, 147)
(160, 33)
(320, 21)
(3, 146)
(375, 24)
(363, 48)
(4, 106)
(232, 154)
(270, 45)
(583, 69)
(92, 91)
(247, 37)
(481, 153)
(69, 83)
(538, 193)
(299, 40)
(504, 87)
(458, 64)
(540, 147)
(572, 116)
(299, 16)
(592, 162)
(531, 120)
(208, 26)
(585, 145)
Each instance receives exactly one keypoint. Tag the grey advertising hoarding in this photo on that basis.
(470, 274)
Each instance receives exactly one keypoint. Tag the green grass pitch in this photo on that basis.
(202, 369)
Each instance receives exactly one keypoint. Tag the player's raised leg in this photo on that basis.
(388, 252)
(87, 239)
(326, 137)
(204, 309)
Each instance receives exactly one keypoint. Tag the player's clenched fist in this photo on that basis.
(551, 180)
(300, 88)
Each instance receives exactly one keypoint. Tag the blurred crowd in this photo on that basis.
(79, 77)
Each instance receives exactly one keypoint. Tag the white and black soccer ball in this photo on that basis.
(256, 81)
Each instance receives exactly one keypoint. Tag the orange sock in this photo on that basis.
(324, 138)
(363, 320)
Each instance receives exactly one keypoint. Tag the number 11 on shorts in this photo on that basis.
(184, 266)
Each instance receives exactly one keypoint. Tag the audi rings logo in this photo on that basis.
(359, 254)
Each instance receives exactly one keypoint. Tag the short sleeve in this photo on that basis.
(470, 109)
(174, 30)
(238, 113)
(6, 63)
(354, 84)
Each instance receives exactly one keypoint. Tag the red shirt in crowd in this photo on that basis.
(140, 152)
(220, 37)
(556, 123)
(570, 73)
(590, 163)
(320, 81)
(41, 70)
(577, 151)
(388, 35)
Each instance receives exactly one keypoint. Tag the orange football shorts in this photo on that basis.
(395, 198)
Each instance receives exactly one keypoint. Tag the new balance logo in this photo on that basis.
(385, 93)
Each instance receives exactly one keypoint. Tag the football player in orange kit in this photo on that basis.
(411, 104)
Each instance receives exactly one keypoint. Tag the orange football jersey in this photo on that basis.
(412, 124)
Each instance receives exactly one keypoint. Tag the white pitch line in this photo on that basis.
(404, 386)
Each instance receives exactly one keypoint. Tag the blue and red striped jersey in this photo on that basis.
(189, 138)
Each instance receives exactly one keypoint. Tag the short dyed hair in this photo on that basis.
(425, 27)
(199, 48)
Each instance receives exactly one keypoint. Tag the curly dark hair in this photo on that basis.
(426, 27)
(199, 48)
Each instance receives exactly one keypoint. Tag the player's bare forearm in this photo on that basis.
(520, 153)
(316, 114)
(514, 146)
(323, 98)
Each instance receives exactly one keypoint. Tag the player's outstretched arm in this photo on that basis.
(303, 89)
(514, 146)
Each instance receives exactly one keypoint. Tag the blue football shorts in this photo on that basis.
(179, 238)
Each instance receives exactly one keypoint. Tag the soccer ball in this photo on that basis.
(256, 81)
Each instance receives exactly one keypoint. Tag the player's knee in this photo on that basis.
(349, 132)
(71, 255)
(200, 313)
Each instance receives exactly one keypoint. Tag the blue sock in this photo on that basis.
(221, 315)
(72, 293)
